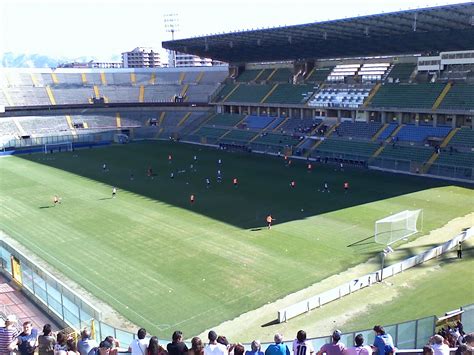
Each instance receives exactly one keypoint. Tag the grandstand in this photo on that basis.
(367, 107)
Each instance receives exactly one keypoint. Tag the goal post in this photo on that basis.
(398, 226)
(57, 147)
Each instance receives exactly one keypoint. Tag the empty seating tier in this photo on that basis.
(225, 119)
(455, 158)
(281, 75)
(276, 139)
(249, 93)
(210, 132)
(460, 97)
(407, 95)
(357, 129)
(463, 138)
(407, 153)
(248, 75)
(257, 122)
(413, 133)
(290, 94)
(401, 72)
(239, 136)
(319, 75)
(347, 147)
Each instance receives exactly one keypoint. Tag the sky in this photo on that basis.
(106, 28)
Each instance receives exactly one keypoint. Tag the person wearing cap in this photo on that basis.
(278, 348)
(7, 334)
(301, 346)
(335, 347)
(214, 348)
(359, 348)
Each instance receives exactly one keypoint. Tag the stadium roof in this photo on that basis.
(434, 29)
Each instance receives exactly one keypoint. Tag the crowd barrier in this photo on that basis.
(354, 285)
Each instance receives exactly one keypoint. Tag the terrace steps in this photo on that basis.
(118, 120)
(52, 100)
(441, 96)
(269, 93)
(378, 151)
(376, 135)
(448, 138)
(141, 94)
(199, 77)
(371, 95)
(394, 133)
(280, 125)
(185, 117)
(54, 78)
(231, 92)
(103, 79)
(427, 165)
(161, 119)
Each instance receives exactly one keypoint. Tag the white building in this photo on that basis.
(189, 60)
(141, 57)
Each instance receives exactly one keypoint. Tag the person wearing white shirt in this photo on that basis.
(214, 348)
(139, 346)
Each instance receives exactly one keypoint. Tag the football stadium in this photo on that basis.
(321, 180)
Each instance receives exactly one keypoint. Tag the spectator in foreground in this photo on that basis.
(427, 350)
(238, 349)
(301, 346)
(383, 343)
(256, 348)
(28, 339)
(214, 348)
(335, 347)
(46, 341)
(197, 348)
(72, 347)
(7, 334)
(359, 348)
(177, 346)
(154, 347)
(438, 345)
(278, 348)
(138, 346)
(85, 344)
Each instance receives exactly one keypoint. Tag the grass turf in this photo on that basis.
(166, 264)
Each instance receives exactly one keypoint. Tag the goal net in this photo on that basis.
(398, 226)
(58, 147)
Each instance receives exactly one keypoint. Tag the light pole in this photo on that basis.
(171, 22)
(384, 253)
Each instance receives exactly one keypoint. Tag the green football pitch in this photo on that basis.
(167, 264)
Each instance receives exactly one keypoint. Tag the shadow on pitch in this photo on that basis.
(41, 207)
(256, 229)
(273, 322)
(105, 198)
(361, 242)
(263, 182)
